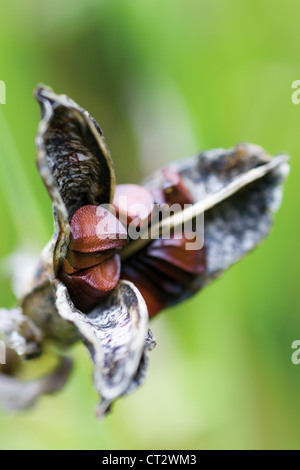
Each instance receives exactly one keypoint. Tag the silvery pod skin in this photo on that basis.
(103, 291)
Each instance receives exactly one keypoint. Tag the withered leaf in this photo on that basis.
(116, 334)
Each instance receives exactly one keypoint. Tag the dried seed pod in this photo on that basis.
(237, 189)
(77, 170)
(159, 286)
(74, 163)
(165, 270)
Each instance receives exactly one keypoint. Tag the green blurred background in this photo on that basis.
(166, 79)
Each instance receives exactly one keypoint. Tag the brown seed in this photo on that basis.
(79, 260)
(96, 229)
(67, 268)
(100, 279)
(86, 287)
(173, 189)
(162, 282)
(167, 269)
(153, 297)
(174, 252)
(83, 302)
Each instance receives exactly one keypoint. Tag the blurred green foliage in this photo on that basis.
(166, 79)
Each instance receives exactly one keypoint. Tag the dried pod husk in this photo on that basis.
(17, 394)
(75, 165)
(238, 191)
(23, 340)
(235, 193)
(117, 336)
(73, 160)
(19, 333)
(76, 168)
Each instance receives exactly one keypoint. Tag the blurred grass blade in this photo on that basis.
(16, 189)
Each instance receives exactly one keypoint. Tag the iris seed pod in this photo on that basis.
(238, 190)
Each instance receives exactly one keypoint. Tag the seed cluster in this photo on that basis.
(165, 269)
(162, 271)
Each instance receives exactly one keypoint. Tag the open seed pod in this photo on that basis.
(76, 167)
(235, 192)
